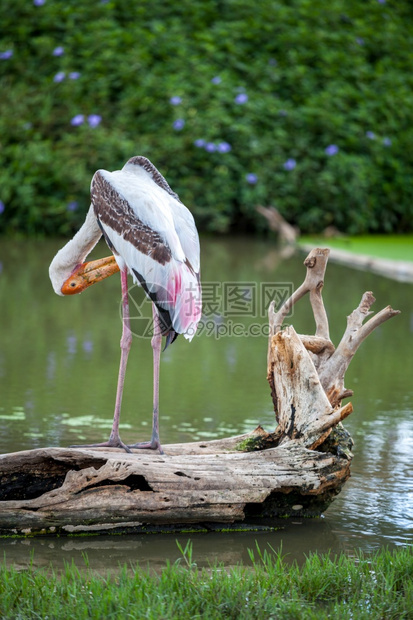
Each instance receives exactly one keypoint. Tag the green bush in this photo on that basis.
(269, 85)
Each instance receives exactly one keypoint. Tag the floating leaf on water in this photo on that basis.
(15, 415)
(90, 420)
(79, 420)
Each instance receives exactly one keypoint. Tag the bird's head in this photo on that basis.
(86, 274)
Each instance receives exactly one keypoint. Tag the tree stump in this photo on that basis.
(241, 482)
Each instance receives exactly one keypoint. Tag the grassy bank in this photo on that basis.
(392, 247)
(323, 587)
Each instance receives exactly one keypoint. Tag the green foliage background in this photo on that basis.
(315, 73)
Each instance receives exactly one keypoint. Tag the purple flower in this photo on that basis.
(88, 346)
(175, 100)
(241, 98)
(272, 62)
(370, 135)
(290, 164)
(251, 178)
(94, 120)
(77, 120)
(71, 342)
(38, 2)
(386, 141)
(382, 1)
(216, 80)
(72, 206)
(283, 113)
(74, 75)
(179, 124)
(58, 51)
(59, 77)
(2, 207)
(199, 143)
(331, 150)
(224, 147)
(359, 41)
(6, 55)
(210, 147)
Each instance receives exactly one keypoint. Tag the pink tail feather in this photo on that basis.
(184, 294)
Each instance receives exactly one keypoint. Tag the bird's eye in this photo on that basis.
(73, 284)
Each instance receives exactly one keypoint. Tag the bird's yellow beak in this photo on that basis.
(89, 273)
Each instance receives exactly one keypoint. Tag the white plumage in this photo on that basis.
(175, 284)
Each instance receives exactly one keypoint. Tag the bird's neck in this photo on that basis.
(75, 251)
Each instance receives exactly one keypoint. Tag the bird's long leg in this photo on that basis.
(114, 440)
(156, 343)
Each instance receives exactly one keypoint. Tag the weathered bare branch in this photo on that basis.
(316, 263)
(317, 344)
(333, 371)
(320, 315)
(276, 222)
(330, 364)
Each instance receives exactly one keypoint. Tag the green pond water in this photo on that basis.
(58, 371)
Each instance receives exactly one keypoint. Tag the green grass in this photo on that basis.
(323, 587)
(398, 247)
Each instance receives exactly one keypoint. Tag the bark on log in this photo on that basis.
(63, 491)
(297, 470)
(304, 412)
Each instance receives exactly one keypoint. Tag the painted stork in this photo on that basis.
(154, 239)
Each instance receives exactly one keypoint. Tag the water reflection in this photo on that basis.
(109, 552)
(58, 370)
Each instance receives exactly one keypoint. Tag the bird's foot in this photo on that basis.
(154, 444)
(113, 442)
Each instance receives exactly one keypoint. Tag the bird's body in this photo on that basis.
(153, 238)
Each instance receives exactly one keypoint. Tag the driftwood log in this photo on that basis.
(287, 233)
(239, 482)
